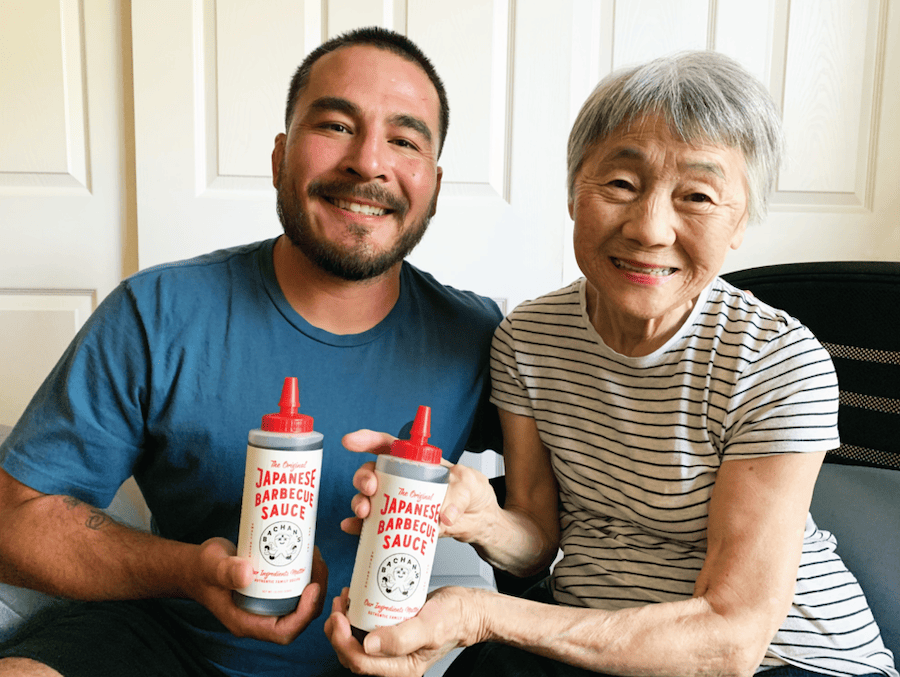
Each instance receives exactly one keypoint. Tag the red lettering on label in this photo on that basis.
(267, 478)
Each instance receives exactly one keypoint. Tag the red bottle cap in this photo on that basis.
(287, 420)
(416, 448)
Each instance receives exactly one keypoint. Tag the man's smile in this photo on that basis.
(358, 207)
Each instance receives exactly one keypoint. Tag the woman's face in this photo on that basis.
(654, 218)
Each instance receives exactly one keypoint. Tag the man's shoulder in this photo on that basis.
(462, 304)
(226, 261)
(180, 293)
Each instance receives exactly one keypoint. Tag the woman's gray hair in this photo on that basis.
(705, 97)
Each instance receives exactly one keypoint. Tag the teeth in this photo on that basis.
(357, 208)
(658, 272)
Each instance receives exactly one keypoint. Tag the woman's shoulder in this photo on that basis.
(563, 301)
(740, 318)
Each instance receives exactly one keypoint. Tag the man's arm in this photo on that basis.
(757, 516)
(63, 546)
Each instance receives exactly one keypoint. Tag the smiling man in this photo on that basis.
(181, 361)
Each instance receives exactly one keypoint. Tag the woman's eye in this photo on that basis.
(620, 183)
(699, 197)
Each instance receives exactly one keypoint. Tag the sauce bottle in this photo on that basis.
(396, 546)
(278, 511)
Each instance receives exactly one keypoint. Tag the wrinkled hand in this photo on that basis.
(219, 572)
(448, 621)
(469, 506)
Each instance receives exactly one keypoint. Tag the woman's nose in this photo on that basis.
(651, 222)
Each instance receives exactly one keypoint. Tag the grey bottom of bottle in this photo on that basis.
(358, 633)
(265, 607)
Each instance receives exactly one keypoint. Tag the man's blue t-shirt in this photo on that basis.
(177, 365)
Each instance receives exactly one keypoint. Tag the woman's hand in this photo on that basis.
(469, 506)
(449, 620)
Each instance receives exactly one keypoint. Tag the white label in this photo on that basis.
(278, 520)
(396, 552)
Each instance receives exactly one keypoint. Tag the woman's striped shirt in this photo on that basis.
(636, 444)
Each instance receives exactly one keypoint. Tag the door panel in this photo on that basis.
(64, 209)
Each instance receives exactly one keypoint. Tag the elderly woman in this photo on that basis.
(662, 427)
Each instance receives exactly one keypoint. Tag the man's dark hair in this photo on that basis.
(373, 36)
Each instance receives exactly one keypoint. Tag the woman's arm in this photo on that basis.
(757, 516)
(743, 593)
(523, 536)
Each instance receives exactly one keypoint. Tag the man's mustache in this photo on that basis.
(361, 191)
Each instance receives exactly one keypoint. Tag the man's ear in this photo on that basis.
(278, 157)
(437, 190)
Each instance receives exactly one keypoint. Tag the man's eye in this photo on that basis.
(698, 197)
(620, 183)
(335, 127)
(405, 143)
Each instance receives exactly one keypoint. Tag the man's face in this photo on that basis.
(357, 173)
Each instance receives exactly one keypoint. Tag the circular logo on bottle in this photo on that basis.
(281, 543)
(398, 577)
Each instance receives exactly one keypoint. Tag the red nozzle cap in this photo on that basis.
(416, 448)
(287, 420)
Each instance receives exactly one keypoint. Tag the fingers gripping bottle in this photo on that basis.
(396, 546)
(278, 512)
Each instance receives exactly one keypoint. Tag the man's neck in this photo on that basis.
(329, 303)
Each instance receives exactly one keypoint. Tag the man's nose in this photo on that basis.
(651, 221)
(367, 157)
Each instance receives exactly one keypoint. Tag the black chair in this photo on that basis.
(853, 308)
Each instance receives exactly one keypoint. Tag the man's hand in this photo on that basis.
(219, 572)
(365, 481)
(412, 647)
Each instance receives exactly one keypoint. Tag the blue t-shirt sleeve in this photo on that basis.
(82, 432)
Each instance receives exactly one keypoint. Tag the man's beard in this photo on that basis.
(348, 263)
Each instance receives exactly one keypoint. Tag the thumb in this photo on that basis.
(234, 573)
(368, 441)
(396, 640)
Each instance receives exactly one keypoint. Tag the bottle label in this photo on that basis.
(278, 520)
(396, 552)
